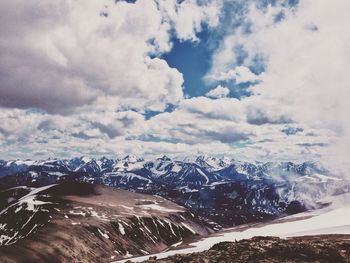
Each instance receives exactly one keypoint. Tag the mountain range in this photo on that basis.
(223, 192)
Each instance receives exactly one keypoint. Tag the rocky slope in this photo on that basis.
(271, 249)
(74, 222)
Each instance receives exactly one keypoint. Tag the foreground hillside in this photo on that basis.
(75, 222)
(331, 220)
(271, 249)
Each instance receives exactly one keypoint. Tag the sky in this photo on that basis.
(252, 80)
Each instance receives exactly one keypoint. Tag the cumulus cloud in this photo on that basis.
(95, 67)
(65, 54)
(198, 125)
(188, 17)
(229, 109)
(239, 75)
(218, 92)
(306, 58)
(111, 130)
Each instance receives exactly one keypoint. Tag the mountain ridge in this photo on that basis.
(225, 192)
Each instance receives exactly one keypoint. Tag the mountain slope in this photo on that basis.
(85, 223)
(330, 220)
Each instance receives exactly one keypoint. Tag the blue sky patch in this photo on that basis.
(193, 60)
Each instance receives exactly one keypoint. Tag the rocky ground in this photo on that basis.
(331, 248)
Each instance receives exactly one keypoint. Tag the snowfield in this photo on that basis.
(159, 208)
(331, 220)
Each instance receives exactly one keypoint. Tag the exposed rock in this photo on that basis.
(271, 249)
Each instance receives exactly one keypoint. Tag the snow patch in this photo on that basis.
(121, 229)
(103, 234)
(188, 227)
(159, 208)
(203, 174)
(323, 222)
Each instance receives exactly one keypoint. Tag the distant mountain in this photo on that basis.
(212, 163)
(223, 191)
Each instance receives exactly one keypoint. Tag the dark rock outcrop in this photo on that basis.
(335, 249)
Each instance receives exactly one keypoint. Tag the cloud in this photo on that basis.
(198, 125)
(305, 59)
(4, 132)
(320, 144)
(47, 125)
(111, 130)
(218, 92)
(96, 76)
(82, 135)
(203, 120)
(59, 56)
(229, 109)
(188, 17)
(239, 75)
(291, 130)
(259, 116)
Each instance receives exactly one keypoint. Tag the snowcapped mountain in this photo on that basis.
(225, 191)
(194, 169)
(212, 163)
(11, 167)
(128, 163)
(77, 162)
(160, 166)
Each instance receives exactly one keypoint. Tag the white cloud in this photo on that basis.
(224, 57)
(307, 59)
(188, 17)
(239, 74)
(198, 125)
(218, 92)
(65, 54)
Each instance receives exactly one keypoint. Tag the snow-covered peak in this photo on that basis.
(21, 162)
(130, 159)
(105, 160)
(128, 163)
(212, 163)
(159, 166)
(85, 159)
(189, 159)
(220, 168)
(164, 158)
